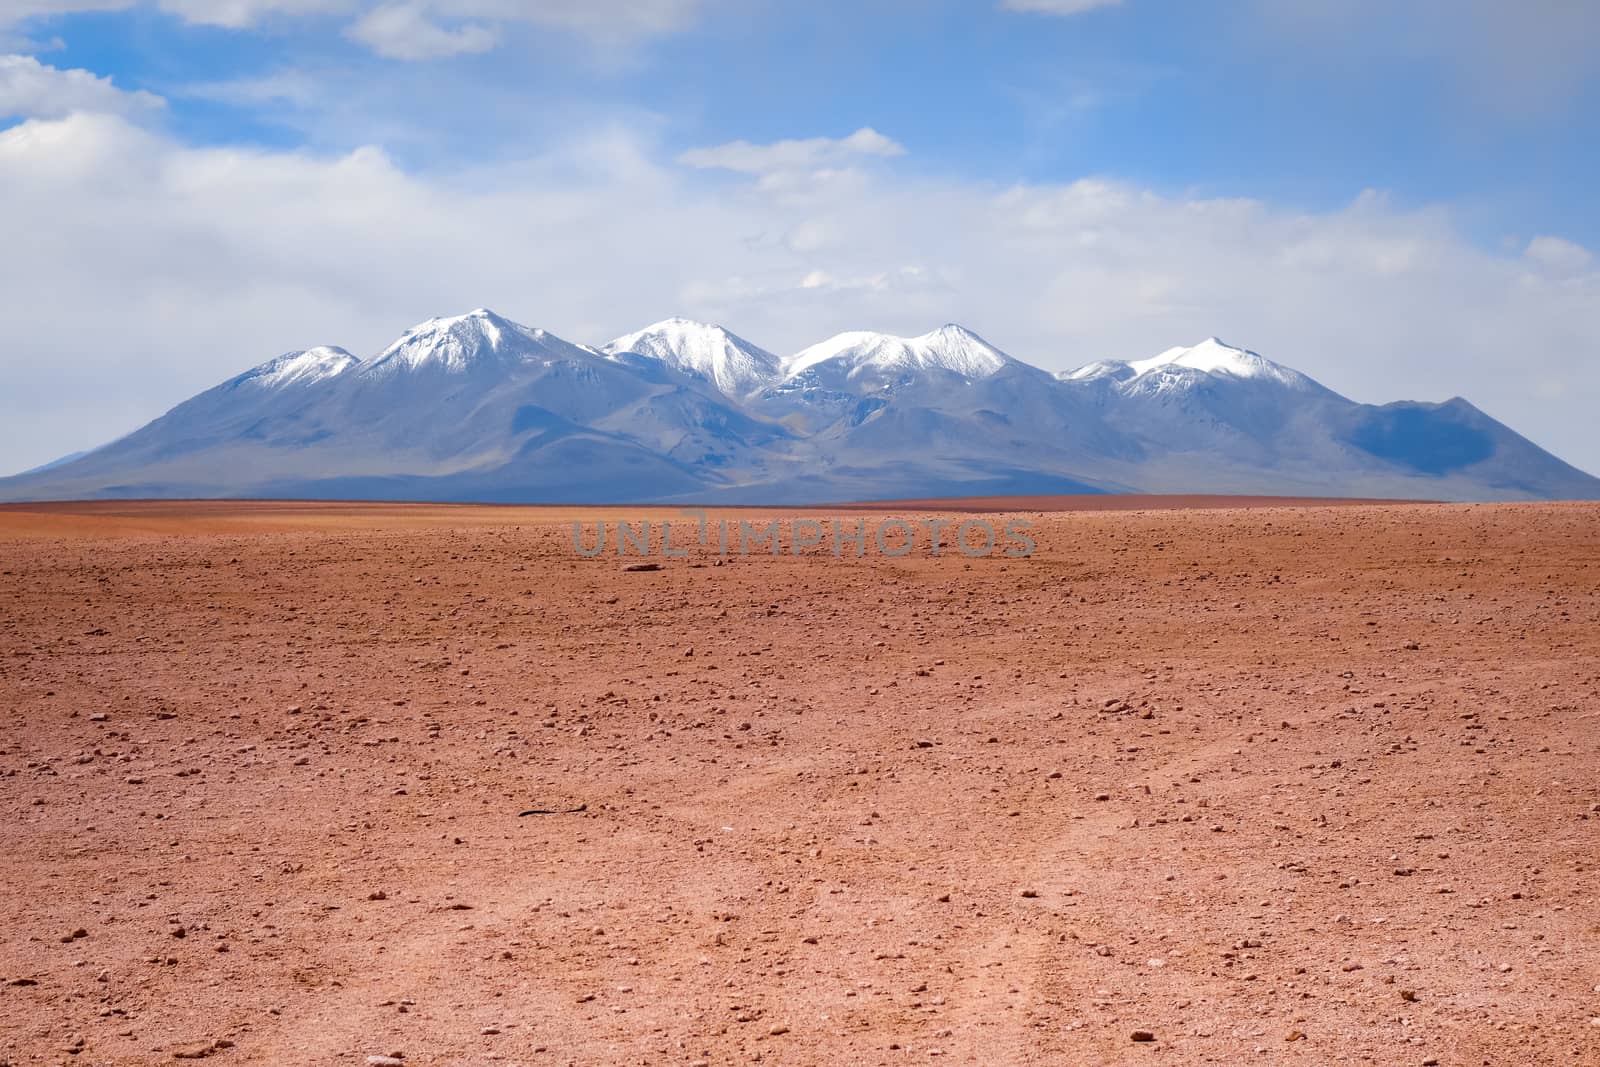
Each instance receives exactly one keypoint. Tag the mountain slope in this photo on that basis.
(477, 407)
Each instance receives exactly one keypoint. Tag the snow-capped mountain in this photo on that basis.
(876, 362)
(1176, 368)
(477, 407)
(734, 365)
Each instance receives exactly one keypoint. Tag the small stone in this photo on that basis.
(194, 1051)
(1030, 893)
(778, 1031)
(385, 1061)
(1295, 1035)
(1143, 1035)
(1102, 796)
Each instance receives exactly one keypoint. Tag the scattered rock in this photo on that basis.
(200, 1050)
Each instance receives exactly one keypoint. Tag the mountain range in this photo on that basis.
(479, 408)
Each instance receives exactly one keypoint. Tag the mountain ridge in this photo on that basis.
(478, 407)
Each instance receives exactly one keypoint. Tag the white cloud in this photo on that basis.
(282, 87)
(30, 89)
(17, 10)
(1056, 7)
(602, 19)
(155, 269)
(785, 156)
(1559, 256)
(406, 31)
(415, 29)
(239, 14)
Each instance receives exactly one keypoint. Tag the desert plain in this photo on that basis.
(1198, 782)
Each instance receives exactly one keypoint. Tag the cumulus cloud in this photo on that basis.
(155, 269)
(30, 89)
(1559, 256)
(799, 155)
(405, 31)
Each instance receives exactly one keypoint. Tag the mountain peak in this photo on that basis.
(733, 365)
(951, 348)
(456, 343)
(1215, 356)
(302, 368)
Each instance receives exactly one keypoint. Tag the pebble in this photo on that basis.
(1143, 1035)
(385, 1061)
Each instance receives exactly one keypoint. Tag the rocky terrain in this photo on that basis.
(1216, 784)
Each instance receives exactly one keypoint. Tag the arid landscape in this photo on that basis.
(1202, 781)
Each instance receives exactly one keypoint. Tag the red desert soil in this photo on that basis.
(1280, 784)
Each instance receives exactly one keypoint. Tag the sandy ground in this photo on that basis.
(1272, 784)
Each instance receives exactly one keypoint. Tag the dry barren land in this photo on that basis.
(1210, 784)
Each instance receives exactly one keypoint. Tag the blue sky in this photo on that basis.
(1394, 198)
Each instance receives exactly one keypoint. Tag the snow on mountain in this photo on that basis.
(1211, 356)
(302, 368)
(855, 360)
(735, 366)
(476, 407)
(464, 342)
